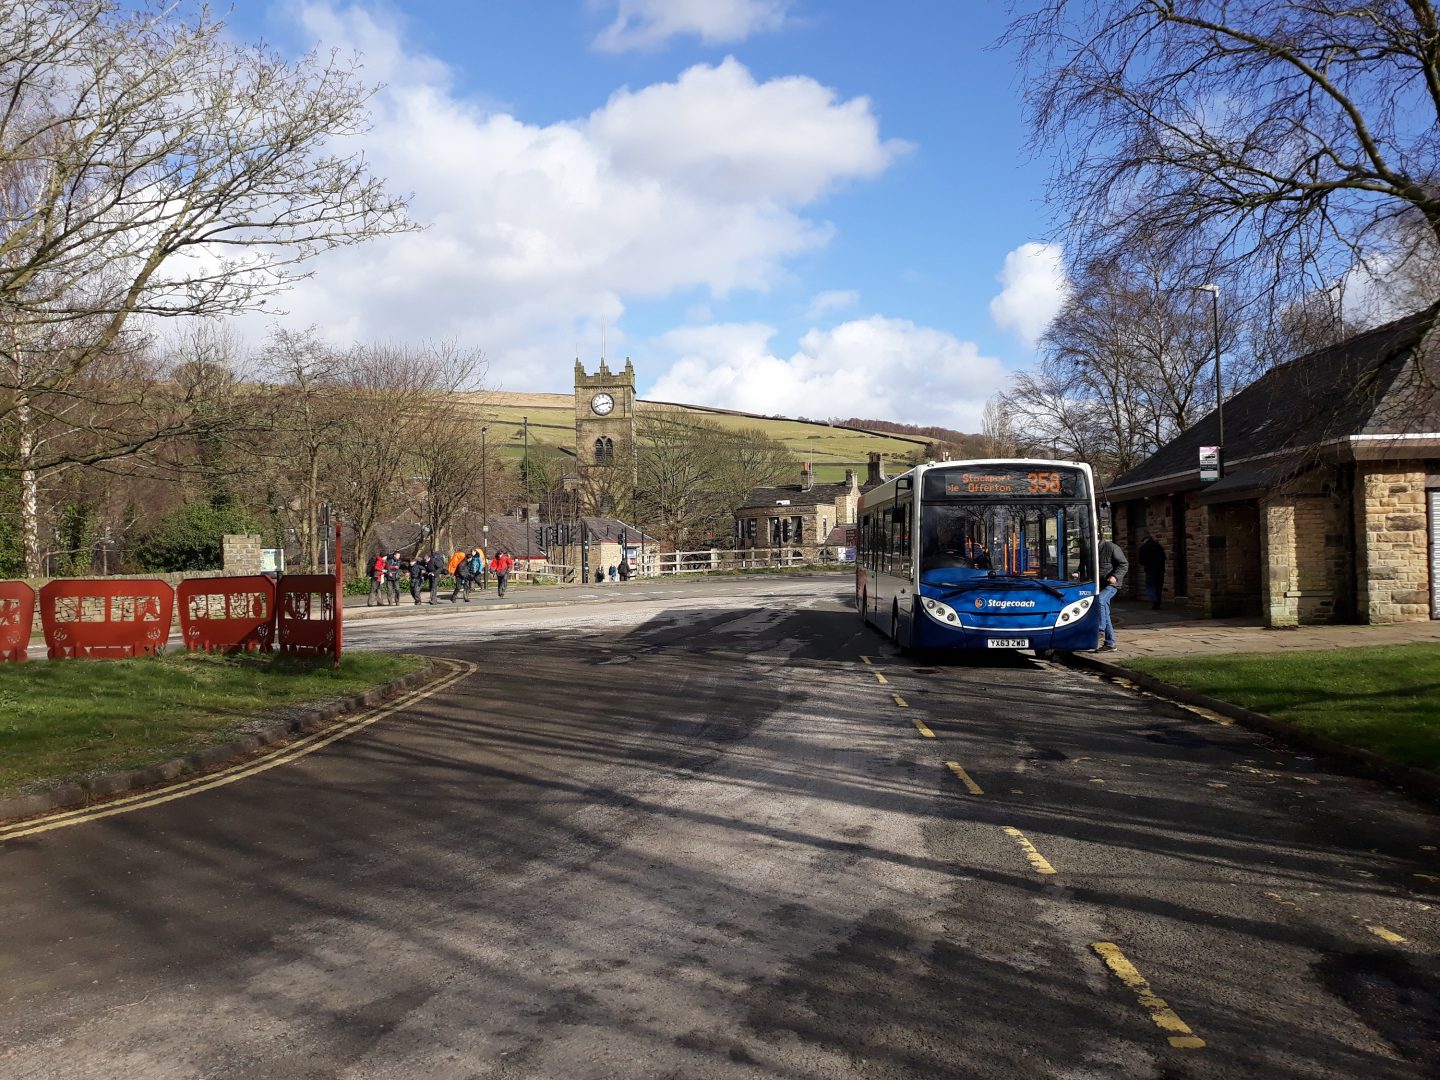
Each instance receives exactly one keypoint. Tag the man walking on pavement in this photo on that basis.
(435, 570)
(377, 581)
(394, 567)
(1113, 566)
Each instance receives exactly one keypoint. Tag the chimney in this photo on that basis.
(807, 478)
(876, 472)
(850, 479)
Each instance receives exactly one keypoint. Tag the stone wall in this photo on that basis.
(1393, 569)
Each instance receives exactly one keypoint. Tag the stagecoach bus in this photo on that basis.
(981, 555)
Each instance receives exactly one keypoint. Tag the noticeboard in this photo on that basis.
(1209, 463)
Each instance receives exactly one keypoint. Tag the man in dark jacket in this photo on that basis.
(436, 569)
(1113, 567)
(394, 568)
(1152, 564)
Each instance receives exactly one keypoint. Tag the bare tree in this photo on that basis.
(393, 396)
(308, 414)
(153, 166)
(1124, 366)
(1276, 136)
(445, 464)
(693, 473)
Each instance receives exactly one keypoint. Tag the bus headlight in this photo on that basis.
(1071, 612)
(941, 613)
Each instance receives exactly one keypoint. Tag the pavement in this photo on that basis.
(1140, 632)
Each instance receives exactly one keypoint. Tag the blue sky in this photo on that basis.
(786, 206)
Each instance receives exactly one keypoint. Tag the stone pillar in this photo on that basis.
(240, 554)
(1393, 575)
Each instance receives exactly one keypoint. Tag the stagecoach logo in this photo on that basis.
(1005, 603)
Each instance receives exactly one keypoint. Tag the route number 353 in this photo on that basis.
(1043, 483)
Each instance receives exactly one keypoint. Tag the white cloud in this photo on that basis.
(719, 133)
(867, 367)
(1034, 290)
(824, 303)
(641, 24)
(535, 232)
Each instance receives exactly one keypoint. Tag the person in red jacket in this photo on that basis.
(500, 566)
(377, 581)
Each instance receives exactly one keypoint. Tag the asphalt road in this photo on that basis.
(717, 829)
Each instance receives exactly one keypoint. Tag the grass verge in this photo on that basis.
(1380, 698)
(64, 720)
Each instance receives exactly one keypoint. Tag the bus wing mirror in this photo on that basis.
(904, 483)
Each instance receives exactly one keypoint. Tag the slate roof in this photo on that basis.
(820, 493)
(1380, 382)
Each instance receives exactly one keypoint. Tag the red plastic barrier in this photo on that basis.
(227, 614)
(308, 615)
(17, 618)
(105, 617)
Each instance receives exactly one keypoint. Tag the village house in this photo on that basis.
(1328, 509)
(800, 518)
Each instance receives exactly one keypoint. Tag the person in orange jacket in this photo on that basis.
(501, 566)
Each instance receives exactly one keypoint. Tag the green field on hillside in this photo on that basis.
(552, 423)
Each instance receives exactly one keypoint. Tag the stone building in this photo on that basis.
(1328, 509)
(800, 517)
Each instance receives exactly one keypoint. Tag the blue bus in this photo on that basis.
(995, 554)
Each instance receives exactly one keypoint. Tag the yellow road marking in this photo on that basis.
(970, 785)
(882, 680)
(920, 727)
(283, 755)
(1386, 935)
(864, 659)
(1037, 860)
(1165, 1018)
(899, 701)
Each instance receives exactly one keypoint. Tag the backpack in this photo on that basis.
(455, 560)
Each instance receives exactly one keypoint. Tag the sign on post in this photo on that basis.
(1209, 463)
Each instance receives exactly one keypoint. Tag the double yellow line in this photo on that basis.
(283, 755)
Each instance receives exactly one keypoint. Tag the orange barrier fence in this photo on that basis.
(119, 617)
(230, 614)
(97, 618)
(17, 618)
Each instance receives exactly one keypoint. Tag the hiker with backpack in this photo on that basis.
(460, 568)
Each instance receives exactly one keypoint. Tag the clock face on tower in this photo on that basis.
(602, 404)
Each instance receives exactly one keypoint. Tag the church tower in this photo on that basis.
(605, 437)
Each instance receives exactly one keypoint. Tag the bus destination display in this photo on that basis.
(1004, 483)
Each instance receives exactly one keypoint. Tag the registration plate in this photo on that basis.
(1007, 643)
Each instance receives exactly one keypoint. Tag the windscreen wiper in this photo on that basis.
(1029, 583)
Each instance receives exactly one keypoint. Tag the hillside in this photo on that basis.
(833, 447)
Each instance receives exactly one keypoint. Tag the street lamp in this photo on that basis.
(525, 420)
(1214, 291)
(484, 507)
